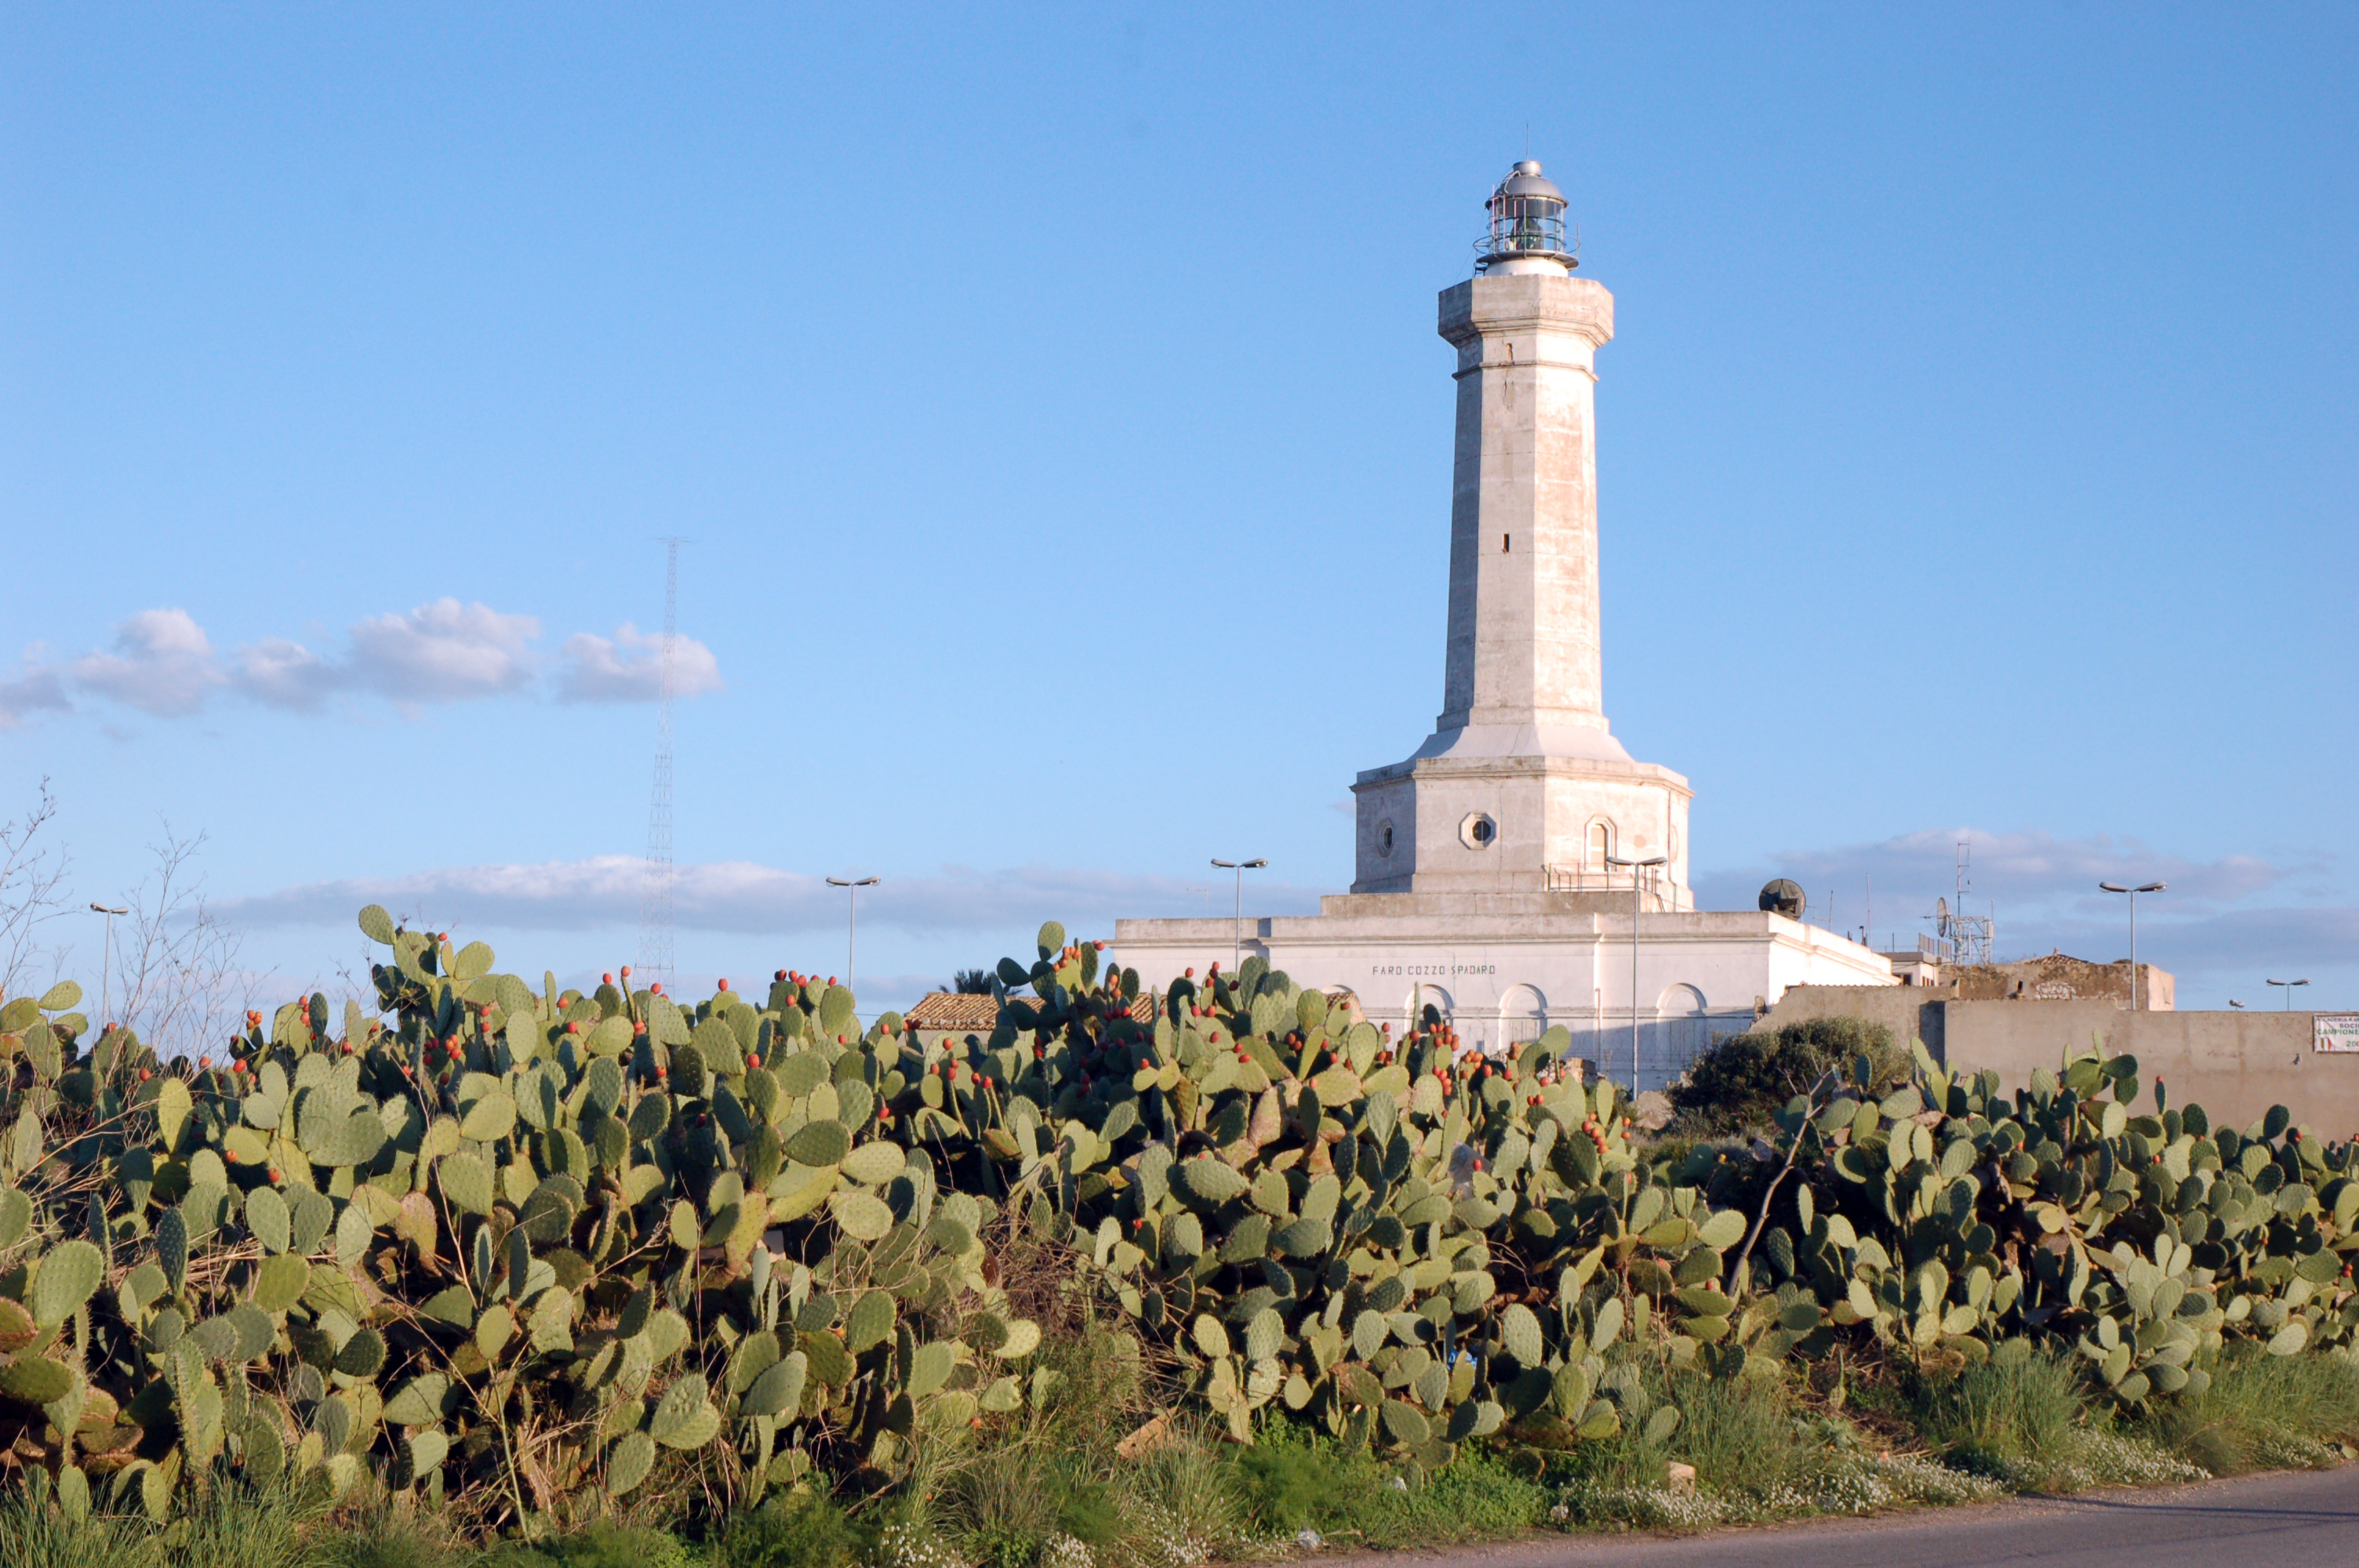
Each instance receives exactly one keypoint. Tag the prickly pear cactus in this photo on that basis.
(741, 1242)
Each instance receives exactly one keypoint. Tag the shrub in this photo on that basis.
(1743, 1079)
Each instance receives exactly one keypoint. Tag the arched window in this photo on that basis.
(1600, 844)
(1523, 1017)
(1681, 1032)
(1425, 997)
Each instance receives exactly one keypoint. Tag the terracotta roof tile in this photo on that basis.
(953, 1009)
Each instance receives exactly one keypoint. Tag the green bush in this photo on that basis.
(1743, 1079)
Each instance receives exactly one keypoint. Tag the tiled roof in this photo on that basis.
(953, 1009)
(958, 1012)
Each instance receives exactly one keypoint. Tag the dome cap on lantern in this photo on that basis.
(1525, 180)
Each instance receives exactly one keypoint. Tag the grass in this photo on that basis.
(2265, 1411)
(1050, 1488)
(1293, 1480)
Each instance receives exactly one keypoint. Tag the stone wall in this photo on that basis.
(2235, 1065)
(2060, 977)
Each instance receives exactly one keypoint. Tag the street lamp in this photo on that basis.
(1237, 922)
(2144, 887)
(106, 964)
(851, 926)
(2289, 991)
(1635, 867)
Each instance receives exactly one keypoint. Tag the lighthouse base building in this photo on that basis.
(1520, 870)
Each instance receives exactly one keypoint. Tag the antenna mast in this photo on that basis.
(655, 903)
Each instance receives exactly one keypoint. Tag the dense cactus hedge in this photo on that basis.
(494, 1240)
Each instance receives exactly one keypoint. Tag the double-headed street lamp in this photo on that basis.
(1635, 866)
(2289, 991)
(2146, 887)
(1237, 922)
(106, 964)
(851, 926)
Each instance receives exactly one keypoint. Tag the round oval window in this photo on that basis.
(1384, 837)
(1478, 831)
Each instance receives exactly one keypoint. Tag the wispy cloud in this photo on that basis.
(2015, 869)
(2233, 915)
(162, 662)
(742, 897)
(628, 668)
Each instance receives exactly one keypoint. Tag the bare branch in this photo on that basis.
(32, 893)
(176, 967)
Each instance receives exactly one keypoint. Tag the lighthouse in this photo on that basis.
(1522, 787)
(1520, 870)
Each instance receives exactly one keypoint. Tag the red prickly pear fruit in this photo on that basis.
(204, 1062)
(723, 983)
(606, 979)
(754, 1059)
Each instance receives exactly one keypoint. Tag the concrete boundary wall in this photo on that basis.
(2235, 1064)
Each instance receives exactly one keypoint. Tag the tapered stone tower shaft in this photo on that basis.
(1522, 788)
(1523, 645)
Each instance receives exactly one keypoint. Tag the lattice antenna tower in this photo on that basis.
(655, 902)
(1967, 937)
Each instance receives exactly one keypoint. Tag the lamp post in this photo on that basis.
(1237, 922)
(1635, 866)
(2289, 991)
(106, 961)
(852, 927)
(2144, 887)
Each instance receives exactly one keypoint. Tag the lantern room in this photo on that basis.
(1527, 232)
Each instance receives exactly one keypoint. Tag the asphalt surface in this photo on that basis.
(2298, 1517)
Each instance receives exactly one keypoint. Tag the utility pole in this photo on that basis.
(1635, 867)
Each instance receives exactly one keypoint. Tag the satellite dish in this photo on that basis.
(1784, 897)
(1941, 916)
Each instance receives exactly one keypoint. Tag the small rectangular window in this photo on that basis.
(1503, 544)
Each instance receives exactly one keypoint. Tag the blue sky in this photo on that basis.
(1052, 400)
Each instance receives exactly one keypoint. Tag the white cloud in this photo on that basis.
(280, 673)
(739, 896)
(443, 652)
(629, 668)
(40, 688)
(162, 664)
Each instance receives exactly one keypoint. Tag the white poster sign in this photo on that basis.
(2335, 1031)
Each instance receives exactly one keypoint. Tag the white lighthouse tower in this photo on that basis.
(1522, 787)
(1519, 870)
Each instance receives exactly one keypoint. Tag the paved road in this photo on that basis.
(2305, 1517)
